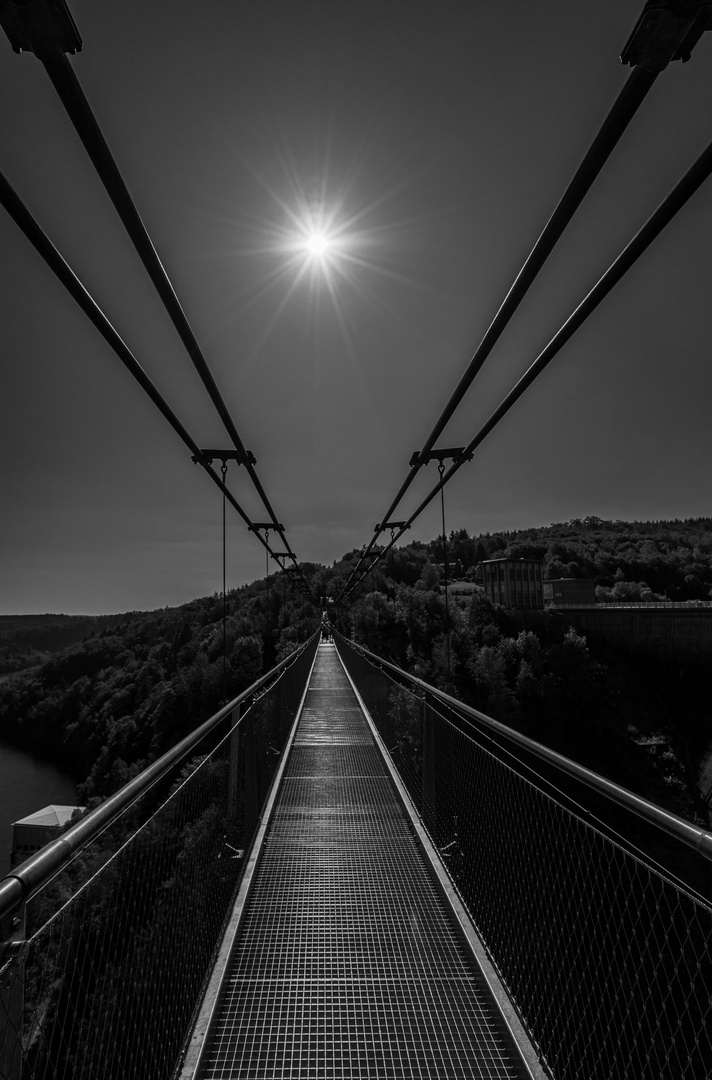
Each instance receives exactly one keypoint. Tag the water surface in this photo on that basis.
(27, 785)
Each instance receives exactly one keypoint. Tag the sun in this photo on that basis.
(317, 244)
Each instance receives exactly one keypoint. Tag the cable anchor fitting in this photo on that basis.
(43, 27)
(666, 30)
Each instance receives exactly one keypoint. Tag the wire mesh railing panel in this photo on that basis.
(606, 958)
(119, 945)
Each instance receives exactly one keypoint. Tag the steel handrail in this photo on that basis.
(34, 872)
(691, 835)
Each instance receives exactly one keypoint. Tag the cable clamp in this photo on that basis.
(207, 457)
(266, 526)
(454, 453)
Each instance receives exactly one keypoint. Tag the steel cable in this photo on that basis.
(621, 113)
(56, 262)
(659, 220)
(72, 97)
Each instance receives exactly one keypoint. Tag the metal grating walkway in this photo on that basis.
(347, 963)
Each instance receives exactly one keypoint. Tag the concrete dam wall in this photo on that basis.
(664, 632)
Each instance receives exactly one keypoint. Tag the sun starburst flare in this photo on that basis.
(317, 241)
(314, 239)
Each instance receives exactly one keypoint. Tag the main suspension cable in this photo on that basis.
(11, 201)
(75, 103)
(656, 223)
(621, 113)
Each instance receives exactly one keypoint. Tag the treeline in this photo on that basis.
(671, 558)
(31, 639)
(668, 558)
(545, 680)
(107, 706)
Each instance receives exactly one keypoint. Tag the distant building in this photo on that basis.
(568, 590)
(514, 583)
(29, 834)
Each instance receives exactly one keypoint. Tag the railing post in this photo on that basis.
(427, 780)
(12, 993)
(233, 783)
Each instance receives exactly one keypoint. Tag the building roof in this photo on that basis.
(49, 815)
(513, 558)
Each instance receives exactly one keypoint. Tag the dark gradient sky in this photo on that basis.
(440, 137)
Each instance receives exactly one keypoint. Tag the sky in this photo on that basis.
(428, 143)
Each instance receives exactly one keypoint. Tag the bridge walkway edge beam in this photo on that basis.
(188, 1064)
(466, 930)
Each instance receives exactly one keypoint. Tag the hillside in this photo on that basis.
(31, 639)
(673, 558)
(105, 706)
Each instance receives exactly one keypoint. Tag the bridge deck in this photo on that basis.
(347, 962)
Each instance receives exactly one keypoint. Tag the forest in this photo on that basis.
(671, 559)
(105, 706)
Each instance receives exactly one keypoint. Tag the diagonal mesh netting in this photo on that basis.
(119, 945)
(605, 956)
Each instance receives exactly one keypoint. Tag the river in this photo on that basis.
(27, 785)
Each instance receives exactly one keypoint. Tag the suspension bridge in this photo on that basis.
(345, 872)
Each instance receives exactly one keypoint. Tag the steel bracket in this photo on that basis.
(43, 27)
(447, 453)
(667, 30)
(207, 457)
(266, 526)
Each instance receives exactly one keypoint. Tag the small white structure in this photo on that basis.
(29, 834)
